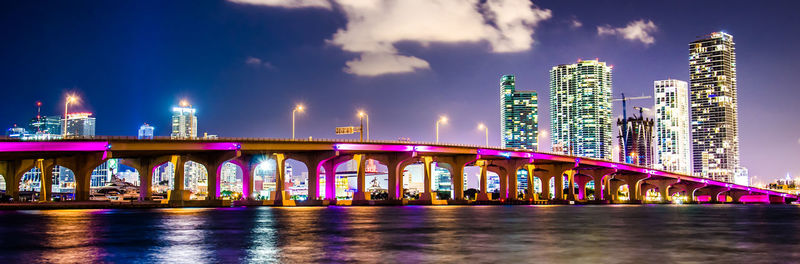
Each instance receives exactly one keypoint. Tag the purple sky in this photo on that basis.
(245, 65)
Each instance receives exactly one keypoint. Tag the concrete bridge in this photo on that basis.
(82, 156)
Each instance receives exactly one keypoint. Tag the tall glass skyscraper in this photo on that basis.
(673, 149)
(715, 125)
(184, 122)
(519, 116)
(580, 109)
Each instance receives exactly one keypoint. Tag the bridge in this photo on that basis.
(83, 155)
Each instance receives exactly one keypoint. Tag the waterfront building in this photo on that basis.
(673, 143)
(715, 125)
(146, 131)
(519, 116)
(80, 124)
(17, 132)
(184, 122)
(580, 109)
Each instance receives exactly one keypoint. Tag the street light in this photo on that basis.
(541, 134)
(70, 99)
(442, 120)
(481, 126)
(363, 116)
(298, 108)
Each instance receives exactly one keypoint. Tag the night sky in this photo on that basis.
(244, 66)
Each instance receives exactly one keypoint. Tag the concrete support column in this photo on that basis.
(582, 181)
(503, 176)
(559, 186)
(511, 176)
(663, 186)
(457, 178)
(633, 181)
(12, 172)
(361, 179)
(483, 195)
(214, 170)
(46, 183)
(531, 190)
(313, 180)
(776, 199)
(177, 193)
(427, 194)
(736, 195)
(280, 178)
(545, 187)
(330, 180)
(571, 182)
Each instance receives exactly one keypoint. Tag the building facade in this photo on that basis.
(580, 109)
(715, 125)
(80, 124)
(673, 142)
(146, 132)
(184, 123)
(519, 116)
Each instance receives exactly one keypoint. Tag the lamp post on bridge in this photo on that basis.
(443, 120)
(362, 116)
(70, 99)
(298, 108)
(483, 127)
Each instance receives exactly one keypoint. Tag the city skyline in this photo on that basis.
(221, 85)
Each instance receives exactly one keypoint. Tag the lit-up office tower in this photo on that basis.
(715, 125)
(46, 125)
(580, 109)
(184, 122)
(146, 131)
(519, 116)
(80, 124)
(673, 143)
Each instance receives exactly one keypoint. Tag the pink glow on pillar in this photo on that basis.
(754, 199)
(373, 147)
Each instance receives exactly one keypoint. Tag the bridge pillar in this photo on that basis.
(571, 182)
(12, 172)
(511, 182)
(361, 179)
(545, 187)
(45, 189)
(531, 190)
(689, 187)
(280, 196)
(614, 189)
(177, 193)
(555, 171)
(633, 181)
(663, 186)
(736, 195)
(503, 177)
(600, 176)
(427, 194)
(582, 181)
(85, 164)
(455, 164)
(483, 195)
(330, 179)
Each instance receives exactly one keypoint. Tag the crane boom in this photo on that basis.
(631, 98)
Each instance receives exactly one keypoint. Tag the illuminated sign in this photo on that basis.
(347, 130)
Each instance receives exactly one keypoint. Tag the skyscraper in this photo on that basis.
(146, 131)
(519, 116)
(580, 109)
(673, 149)
(184, 122)
(715, 125)
(80, 124)
(46, 125)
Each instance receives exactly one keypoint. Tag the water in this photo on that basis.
(411, 234)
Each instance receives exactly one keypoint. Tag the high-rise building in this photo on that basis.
(16, 132)
(80, 124)
(184, 122)
(715, 125)
(146, 131)
(673, 143)
(580, 109)
(519, 116)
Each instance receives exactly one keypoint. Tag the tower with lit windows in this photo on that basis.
(580, 109)
(184, 122)
(673, 143)
(519, 116)
(713, 101)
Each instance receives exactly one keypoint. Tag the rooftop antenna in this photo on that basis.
(38, 116)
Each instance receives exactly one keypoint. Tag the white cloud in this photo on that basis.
(374, 27)
(575, 23)
(325, 4)
(638, 30)
(256, 62)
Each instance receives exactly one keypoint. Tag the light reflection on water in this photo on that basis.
(545, 234)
